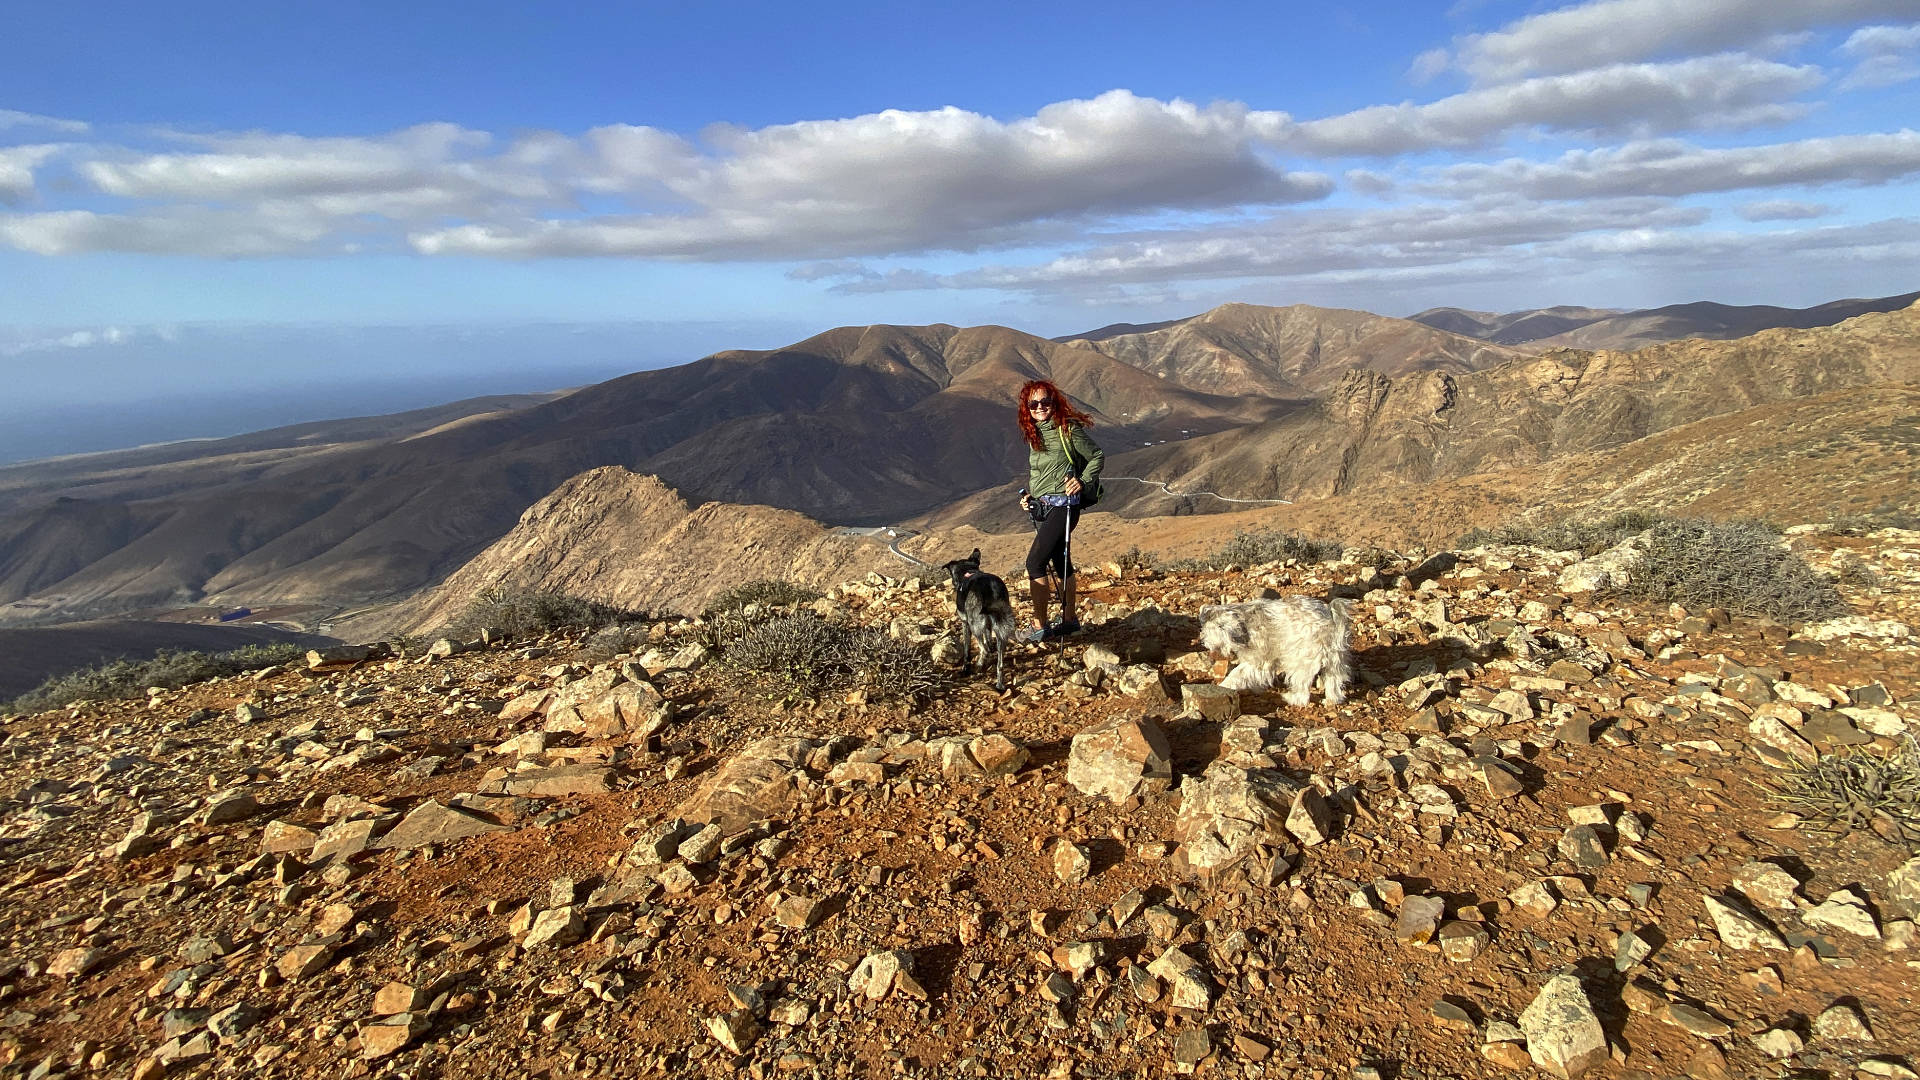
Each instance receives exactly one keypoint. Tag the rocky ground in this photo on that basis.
(1541, 835)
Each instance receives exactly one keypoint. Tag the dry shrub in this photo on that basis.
(171, 668)
(1737, 565)
(1252, 549)
(1586, 537)
(523, 613)
(808, 656)
(1858, 789)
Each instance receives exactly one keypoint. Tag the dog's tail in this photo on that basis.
(1342, 620)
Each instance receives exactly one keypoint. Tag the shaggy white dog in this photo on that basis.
(1297, 636)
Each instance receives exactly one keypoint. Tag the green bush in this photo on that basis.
(526, 613)
(1737, 565)
(807, 655)
(767, 592)
(171, 668)
(1586, 537)
(1252, 549)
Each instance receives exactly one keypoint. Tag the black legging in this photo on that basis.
(1050, 544)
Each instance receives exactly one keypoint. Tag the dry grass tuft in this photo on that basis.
(1859, 789)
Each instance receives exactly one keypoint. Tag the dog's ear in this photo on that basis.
(1207, 613)
(975, 557)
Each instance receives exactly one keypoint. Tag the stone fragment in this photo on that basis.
(1498, 778)
(1903, 888)
(1186, 982)
(703, 846)
(1209, 702)
(390, 1036)
(1119, 758)
(631, 710)
(233, 1021)
(558, 927)
(757, 784)
(73, 963)
(1630, 950)
(1739, 929)
(1071, 863)
(1228, 813)
(1192, 1046)
(1535, 898)
(1696, 1021)
(1564, 1037)
(1778, 1043)
(737, 1030)
(249, 713)
(334, 918)
(560, 780)
(398, 997)
(1419, 919)
(346, 656)
(1842, 1021)
(1463, 942)
(1310, 819)
(1079, 958)
(229, 806)
(1581, 846)
(875, 974)
(799, 912)
(1767, 885)
(282, 837)
(1708, 1062)
(305, 961)
(1845, 911)
(998, 755)
(433, 823)
(1771, 732)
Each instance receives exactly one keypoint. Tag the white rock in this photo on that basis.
(1564, 1037)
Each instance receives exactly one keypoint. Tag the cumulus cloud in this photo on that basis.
(898, 181)
(1783, 210)
(73, 339)
(1604, 32)
(1722, 91)
(1670, 167)
(16, 170)
(1886, 55)
(188, 231)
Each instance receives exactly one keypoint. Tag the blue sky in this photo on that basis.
(742, 174)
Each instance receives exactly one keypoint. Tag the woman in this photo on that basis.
(1063, 474)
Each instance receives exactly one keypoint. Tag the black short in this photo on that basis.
(1049, 550)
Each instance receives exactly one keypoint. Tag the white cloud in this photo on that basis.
(1723, 91)
(16, 169)
(1783, 210)
(1605, 32)
(1302, 244)
(1886, 56)
(1668, 167)
(14, 118)
(899, 181)
(186, 231)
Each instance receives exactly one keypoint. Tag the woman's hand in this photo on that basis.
(1026, 503)
(1073, 485)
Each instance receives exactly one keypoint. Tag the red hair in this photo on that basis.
(1063, 412)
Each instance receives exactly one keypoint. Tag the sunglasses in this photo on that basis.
(1040, 403)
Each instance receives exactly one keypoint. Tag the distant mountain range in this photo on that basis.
(872, 425)
(1602, 328)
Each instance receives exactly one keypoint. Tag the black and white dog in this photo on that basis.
(980, 599)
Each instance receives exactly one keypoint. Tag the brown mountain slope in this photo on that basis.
(624, 539)
(1374, 430)
(860, 424)
(1292, 351)
(1819, 458)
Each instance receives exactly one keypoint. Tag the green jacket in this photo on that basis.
(1047, 469)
